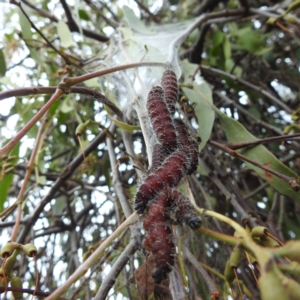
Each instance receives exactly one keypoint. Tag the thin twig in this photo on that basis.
(256, 88)
(62, 54)
(12, 143)
(247, 113)
(65, 175)
(115, 270)
(212, 287)
(84, 267)
(117, 184)
(146, 9)
(26, 178)
(239, 145)
(88, 33)
(30, 91)
(293, 182)
(70, 81)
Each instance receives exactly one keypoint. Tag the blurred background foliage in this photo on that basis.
(249, 59)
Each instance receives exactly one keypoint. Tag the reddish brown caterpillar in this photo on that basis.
(167, 176)
(173, 157)
(161, 119)
(170, 87)
(184, 210)
(157, 158)
(159, 239)
(186, 143)
(157, 224)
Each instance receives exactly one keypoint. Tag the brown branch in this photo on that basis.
(256, 88)
(27, 176)
(25, 291)
(19, 92)
(239, 145)
(4, 151)
(146, 9)
(70, 81)
(293, 182)
(62, 54)
(248, 114)
(210, 283)
(88, 33)
(69, 16)
(66, 174)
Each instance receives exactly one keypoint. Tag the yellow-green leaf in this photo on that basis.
(125, 126)
(65, 36)
(201, 95)
(2, 63)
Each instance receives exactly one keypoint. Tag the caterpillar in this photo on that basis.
(157, 223)
(188, 144)
(184, 210)
(159, 239)
(174, 156)
(157, 158)
(168, 175)
(161, 119)
(170, 87)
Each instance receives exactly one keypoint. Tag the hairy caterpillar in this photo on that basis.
(174, 156)
(184, 210)
(161, 119)
(157, 224)
(157, 158)
(186, 143)
(159, 239)
(170, 87)
(168, 175)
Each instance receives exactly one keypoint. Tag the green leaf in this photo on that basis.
(217, 38)
(25, 27)
(83, 15)
(66, 106)
(27, 37)
(236, 132)
(134, 22)
(5, 184)
(65, 35)
(125, 126)
(251, 40)
(122, 125)
(92, 83)
(7, 179)
(2, 63)
(201, 95)
(7, 81)
(59, 205)
(227, 48)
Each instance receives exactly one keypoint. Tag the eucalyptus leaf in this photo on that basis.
(65, 35)
(134, 22)
(2, 63)
(127, 127)
(27, 36)
(6, 180)
(83, 15)
(201, 96)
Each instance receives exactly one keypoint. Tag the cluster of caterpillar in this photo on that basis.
(174, 156)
